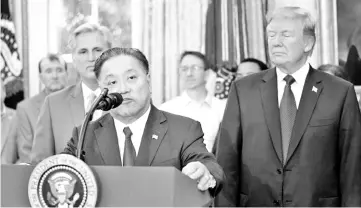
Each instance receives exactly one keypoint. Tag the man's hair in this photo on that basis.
(88, 28)
(113, 52)
(308, 22)
(260, 63)
(52, 57)
(338, 71)
(196, 54)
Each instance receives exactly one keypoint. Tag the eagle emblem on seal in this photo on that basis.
(61, 190)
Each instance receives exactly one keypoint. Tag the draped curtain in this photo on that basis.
(226, 33)
(163, 29)
(221, 29)
(235, 30)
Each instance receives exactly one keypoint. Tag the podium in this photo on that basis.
(117, 187)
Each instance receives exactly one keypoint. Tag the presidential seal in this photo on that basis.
(62, 181)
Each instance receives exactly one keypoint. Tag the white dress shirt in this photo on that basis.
(87, 95)
(297, 87)
(137, 128)
(209, 113)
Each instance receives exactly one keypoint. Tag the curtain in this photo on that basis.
(10, 64)
(226, 35)
(163, 29)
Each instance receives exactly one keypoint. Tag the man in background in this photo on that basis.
(53, 74)
(250, 66)
(64, 110)
(195, 102)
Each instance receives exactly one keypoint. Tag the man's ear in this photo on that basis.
(309, 43)
(149, 82)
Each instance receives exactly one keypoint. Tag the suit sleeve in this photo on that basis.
(43, 143)
(350, 149)
(195, 150)
(10, 153)
(229, 151)
(25, 135)
(71, 146)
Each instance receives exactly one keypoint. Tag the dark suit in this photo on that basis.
(27, 114)
(180, 141)
(60, 113)
(323, 165)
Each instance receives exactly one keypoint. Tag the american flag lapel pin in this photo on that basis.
(154, 136)
(314, 89)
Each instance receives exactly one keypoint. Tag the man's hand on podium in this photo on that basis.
(199, 172)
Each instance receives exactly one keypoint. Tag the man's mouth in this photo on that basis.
(126, 100)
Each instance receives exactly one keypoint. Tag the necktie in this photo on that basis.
(129, 151)
(288, 110)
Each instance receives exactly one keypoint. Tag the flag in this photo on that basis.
(10, 64)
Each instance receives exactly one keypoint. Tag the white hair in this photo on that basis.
(289, 12)
(88, 28)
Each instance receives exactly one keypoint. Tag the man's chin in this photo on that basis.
(55, 89)
(124, 113)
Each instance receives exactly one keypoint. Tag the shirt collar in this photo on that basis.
(87, 91)
(137, 125)
(299, 76)
(188, 100)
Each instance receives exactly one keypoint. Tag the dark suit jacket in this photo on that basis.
(323, 166)
(27, 114)
(60, 113)
(180, 141)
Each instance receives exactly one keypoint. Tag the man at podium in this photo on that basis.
(138, 134)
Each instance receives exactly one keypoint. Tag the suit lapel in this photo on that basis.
(76, 102)
(310, 94)
(107, 140)
(153, 136)
(39, 101)
(269, 96)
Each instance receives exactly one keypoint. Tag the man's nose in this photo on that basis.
(54, 74)
(92, 56)
(277, 41)
(189, 71)
(123, 88)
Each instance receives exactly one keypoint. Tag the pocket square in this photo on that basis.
(154, 136)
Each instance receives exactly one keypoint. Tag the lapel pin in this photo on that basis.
(154, 136)
(314, 89)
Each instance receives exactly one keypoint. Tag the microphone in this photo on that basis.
(110, 101)
(87, 119)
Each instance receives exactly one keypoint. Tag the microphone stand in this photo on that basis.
(87, 119)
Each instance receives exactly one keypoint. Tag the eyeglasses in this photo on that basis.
(193, 68)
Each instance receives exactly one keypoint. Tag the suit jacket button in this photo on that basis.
(279, 171)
